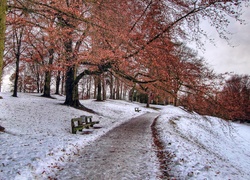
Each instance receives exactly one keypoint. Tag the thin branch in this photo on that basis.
(141, 16)
(167, 29)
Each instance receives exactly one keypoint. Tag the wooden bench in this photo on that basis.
(88, 120)
(137, 109)
(78, 124)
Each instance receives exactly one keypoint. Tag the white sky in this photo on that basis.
(224, 58)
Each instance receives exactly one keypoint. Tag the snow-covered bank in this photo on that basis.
(203, 147)
(43, 140)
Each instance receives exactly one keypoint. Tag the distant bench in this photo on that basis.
(78, 124)
(137, 109)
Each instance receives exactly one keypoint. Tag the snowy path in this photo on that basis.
(125, 152)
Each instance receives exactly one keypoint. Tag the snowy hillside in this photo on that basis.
(203, 147)
(39, 141)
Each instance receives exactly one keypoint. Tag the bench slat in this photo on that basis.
(77, 124)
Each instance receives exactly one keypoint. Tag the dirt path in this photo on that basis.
(126, 152)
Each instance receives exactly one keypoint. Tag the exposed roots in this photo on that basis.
(48, 96)
(83, 108)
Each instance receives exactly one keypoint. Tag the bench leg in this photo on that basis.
(73, 131)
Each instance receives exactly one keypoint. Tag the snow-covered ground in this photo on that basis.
(41, 142)
(204, 147)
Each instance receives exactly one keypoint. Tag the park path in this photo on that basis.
(126, 152)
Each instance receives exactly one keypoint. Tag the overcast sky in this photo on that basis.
(224, 58)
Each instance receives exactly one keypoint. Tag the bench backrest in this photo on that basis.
(76, 122)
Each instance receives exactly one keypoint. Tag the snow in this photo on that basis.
(204, 147)
(42, 140)
(39, 141)
(126, 152)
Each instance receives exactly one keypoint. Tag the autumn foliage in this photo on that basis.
(235, 98)
(116, 45)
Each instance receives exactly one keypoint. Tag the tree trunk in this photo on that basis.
(103, 87)
(133, 93)
(117, 88)
(47, 81)
(121, 90)
(124, 92)
(58, 79)
(99, 88)
(17, 38)
(95, 87)
(149, 99)
(62, 84)
(83, 90)
(88, 84)
(16, 76)
(38, 82)
(111, 87)
(89, 87)
(3, 7)
(71, 88)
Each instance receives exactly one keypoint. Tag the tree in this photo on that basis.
(235, 98)
(17, 39)
(58, 80)
(3, 8)
(46, 92)
(127, 38)
(16, 34)
(104, 95)
(188, 14)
